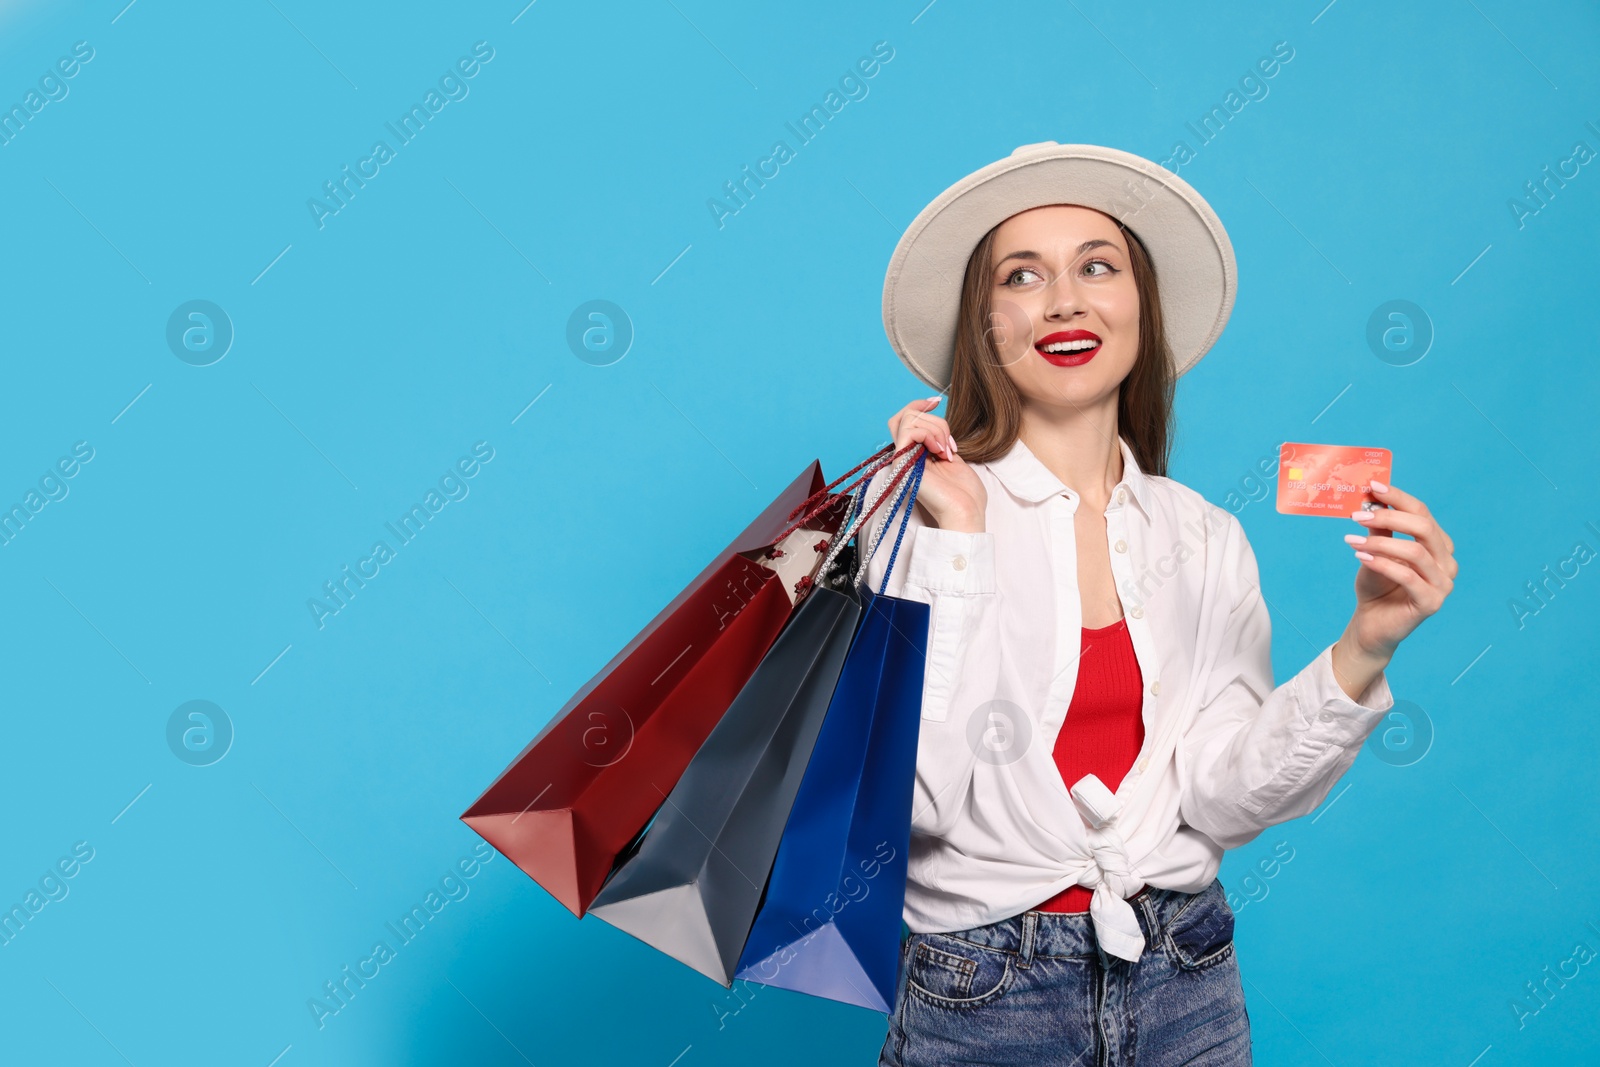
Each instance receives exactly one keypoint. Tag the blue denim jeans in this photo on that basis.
(1037, 989)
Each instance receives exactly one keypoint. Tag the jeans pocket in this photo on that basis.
(948, 972)
(1201, 932)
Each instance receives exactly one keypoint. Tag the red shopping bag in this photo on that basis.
(584, 788)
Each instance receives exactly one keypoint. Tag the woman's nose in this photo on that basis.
(1062, 298)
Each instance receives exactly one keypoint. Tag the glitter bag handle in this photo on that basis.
(908, 489)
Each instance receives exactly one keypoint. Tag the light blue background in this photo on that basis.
(432, 311)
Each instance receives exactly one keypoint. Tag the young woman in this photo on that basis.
(1099, 718)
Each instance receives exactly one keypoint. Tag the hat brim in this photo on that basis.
(1188, 246)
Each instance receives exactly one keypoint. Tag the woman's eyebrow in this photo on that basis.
(1027, 254)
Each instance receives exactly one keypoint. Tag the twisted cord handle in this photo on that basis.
(876, 462)
(910, 486)
(905, 519)
(842, 539)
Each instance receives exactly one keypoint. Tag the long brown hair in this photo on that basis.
(985, 409)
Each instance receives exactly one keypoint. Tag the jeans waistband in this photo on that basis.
(1050, 933)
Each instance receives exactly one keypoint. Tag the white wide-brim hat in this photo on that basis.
(1188, 246)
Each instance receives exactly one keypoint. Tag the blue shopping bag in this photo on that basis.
(830, 922)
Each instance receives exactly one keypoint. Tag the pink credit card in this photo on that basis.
(1329, 480)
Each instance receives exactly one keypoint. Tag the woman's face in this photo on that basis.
(1064, 308)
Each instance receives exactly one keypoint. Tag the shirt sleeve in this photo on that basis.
(953, 573)
(1254, 755)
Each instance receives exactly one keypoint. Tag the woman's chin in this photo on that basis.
(1077, 384)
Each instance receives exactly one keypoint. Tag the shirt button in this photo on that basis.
(1122, 496)
(1136, 611)
(1144, 761)
(1326, 716)
(1155, 688)
(959, 563)
(1121, 545)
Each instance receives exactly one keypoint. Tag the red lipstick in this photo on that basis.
(1074, 347)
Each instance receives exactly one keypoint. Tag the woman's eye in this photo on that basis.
(1109, 269)
(1020, 271)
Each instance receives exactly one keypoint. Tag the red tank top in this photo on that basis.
(1104, 729)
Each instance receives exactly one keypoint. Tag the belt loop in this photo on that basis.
(1030, 927)
(1152, 918)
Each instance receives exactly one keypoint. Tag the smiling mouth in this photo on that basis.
(1069, 349)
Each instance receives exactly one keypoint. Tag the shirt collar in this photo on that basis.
(1025, 476)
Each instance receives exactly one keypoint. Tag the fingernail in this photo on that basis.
(934, 399)
(1363, 555)
(1361, 516)
(953, 446)
(1355, 539)
(1379, 487)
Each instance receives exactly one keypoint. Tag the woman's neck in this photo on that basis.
(1082, 451)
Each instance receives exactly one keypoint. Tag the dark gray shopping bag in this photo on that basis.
(692, 887)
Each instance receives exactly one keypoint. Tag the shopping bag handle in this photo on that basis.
(877, 461)
(857, 521)
(909, 490)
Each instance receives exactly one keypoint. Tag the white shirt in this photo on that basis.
(1226, 754)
